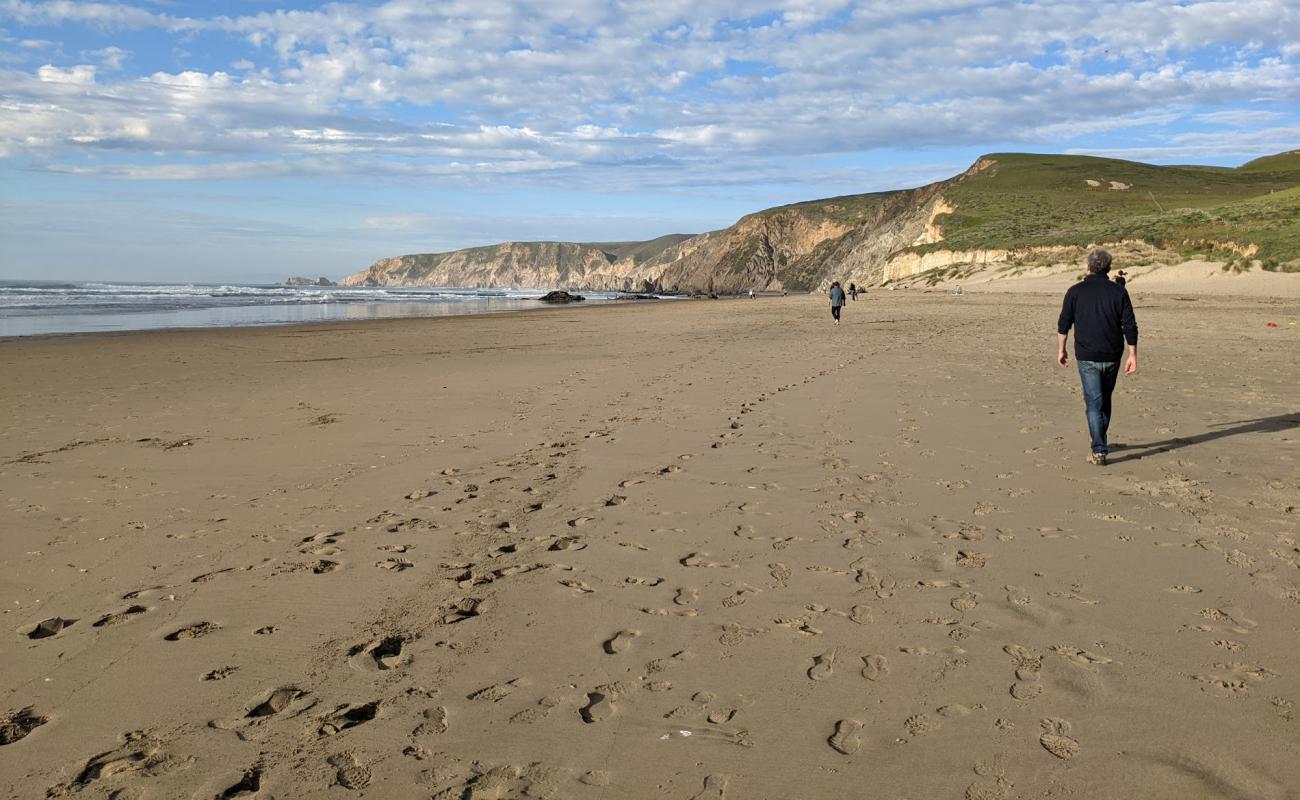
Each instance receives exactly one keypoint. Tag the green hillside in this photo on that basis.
(1282, 162)
(640, 252)
(1023, 200)
(849, 209)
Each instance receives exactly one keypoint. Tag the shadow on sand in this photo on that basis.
(1282, 422)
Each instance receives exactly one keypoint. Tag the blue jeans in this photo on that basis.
(1098, 379)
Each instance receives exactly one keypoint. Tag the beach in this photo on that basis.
(683, 550)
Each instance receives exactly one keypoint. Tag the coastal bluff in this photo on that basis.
(1010, 210)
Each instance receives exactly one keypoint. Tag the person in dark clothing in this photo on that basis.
(1121, 279)
(853, 291)
(1102, 317)
(837, 301)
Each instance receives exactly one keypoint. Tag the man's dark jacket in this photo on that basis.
(1102, 316)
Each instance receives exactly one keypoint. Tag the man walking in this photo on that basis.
(1102, 316)
(837, 301)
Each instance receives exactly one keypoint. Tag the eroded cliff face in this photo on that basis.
(795, 248)
(511, 265)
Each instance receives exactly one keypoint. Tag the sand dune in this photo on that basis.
(695, 550)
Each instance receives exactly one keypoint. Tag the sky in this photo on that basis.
(249, 140)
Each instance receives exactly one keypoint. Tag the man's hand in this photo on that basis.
(1062, 359)
(1131, 365)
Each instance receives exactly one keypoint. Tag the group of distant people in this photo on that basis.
(1101, 314)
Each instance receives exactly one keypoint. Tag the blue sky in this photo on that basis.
(253, 139)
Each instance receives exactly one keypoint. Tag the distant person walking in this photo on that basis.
(853, 291)
(1121, 279)
(1102, 316)
(837, 301)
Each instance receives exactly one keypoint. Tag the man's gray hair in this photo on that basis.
(1099, 261)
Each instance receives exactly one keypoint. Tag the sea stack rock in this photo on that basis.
(560, 296)
(300, 281)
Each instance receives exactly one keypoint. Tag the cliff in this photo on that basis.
(1004, 206)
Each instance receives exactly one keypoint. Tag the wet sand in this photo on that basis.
(687, 550)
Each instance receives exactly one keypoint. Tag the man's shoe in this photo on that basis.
(1097, 459)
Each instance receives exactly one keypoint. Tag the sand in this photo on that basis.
(681, 550)
(1196, 278)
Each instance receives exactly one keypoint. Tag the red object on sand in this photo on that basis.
(1272, 324)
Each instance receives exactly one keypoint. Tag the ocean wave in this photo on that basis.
(18, 299)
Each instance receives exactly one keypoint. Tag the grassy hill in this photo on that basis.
(1023, 200)
(640, 251)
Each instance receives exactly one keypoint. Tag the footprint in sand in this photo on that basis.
(192, 631)
(634, 580)
(687, 596)
(1056, 739)
(702, 560)
(384, 654)
(248, 785)
(965, 601)
(275, 702)
(395, 564)
(285, 703)
(348, 716)
(350, 772)
(823, 666)
(436, 722)
(566, 543)
(46, 628)
(207, 576)
(321, 544)
(1017, 596)
(920, 724)
(600, 706)
(670, 612)
(875, 667)
(321, 566)
(845, 739)
(715, 788)
(861, 615)
(15, 725)
(536, 713)
(140, 753)
(620, 642)
(495, 693)
(1084, 658)
(578, 586)
(465, 608)
(739, 596)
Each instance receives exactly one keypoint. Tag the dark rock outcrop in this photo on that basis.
(560, 296)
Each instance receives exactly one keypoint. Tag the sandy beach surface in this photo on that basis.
(681, 550)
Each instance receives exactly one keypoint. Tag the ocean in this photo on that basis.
(32, 308)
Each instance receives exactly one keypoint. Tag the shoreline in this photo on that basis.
(1139, 293)
(331, 323)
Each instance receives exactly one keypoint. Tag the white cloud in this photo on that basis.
(110, 57)
(582, 87)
